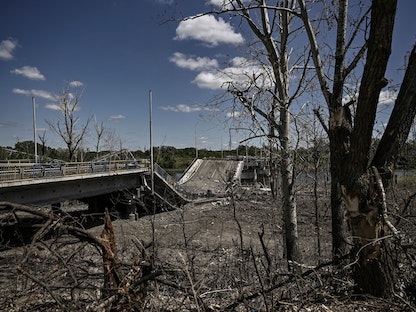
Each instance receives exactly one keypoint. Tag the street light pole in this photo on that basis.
(34, 129)
(196, 146)
(151, 144)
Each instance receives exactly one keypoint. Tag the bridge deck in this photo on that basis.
(27, 183)
(13, 172)
(210, 176)
(32, 184)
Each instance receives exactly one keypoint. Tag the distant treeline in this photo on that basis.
(173, 158)
(168, 157)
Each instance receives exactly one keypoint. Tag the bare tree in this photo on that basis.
(339, 115)
(267, 95)
(99, 132)
(42, 139)
(361, 177)
(67, 126)
(112, 140)
(313, 153)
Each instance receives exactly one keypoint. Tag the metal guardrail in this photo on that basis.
(164, 175)
(25, 171)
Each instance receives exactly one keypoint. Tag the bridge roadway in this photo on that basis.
(210, 176)
(37, 184)
(93, 183)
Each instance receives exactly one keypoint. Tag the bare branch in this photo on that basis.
(321, 120)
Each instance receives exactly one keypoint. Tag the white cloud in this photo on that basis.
(8, 124)
(37, 93)
(116, 117)
(387, 97)
(210, 80)
(240, 72)
(29, 72)
(217, 2)
(7, 48)
(53, 106)
(208, 29)
(198, 63)
(59, 107)
(224, 4)
(234, 114)
(182, 108)
(75, 84)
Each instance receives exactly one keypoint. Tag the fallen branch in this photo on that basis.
(291, 278)
(42, 284)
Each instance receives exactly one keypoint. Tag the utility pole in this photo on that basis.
(152, 172)
(196, 146)
(34, 129)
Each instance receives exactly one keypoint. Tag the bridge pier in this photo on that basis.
(56, 207)
(125, 202)
(97, 204)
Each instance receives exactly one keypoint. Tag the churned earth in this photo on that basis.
(217, 254)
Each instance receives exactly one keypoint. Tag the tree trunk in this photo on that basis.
(400, 121)
(352, 169)
(374, 272)
(362, 188)
(339, 144)
(112, 274)
(340, 123)
(339, 245)
(289, 203)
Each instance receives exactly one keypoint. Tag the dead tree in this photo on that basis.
(67, 126)
(273, 30)
(361, 177)
(99, 132)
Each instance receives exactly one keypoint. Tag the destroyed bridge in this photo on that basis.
(125, 183)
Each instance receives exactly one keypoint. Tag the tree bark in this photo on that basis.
(277, 57)
(400, 121)
(373, 269)
(289, 203)
(373, 80)
(111, 264)
(375, 272)
(340, 124)
(362, 188)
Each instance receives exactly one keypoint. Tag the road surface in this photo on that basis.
(210, 177)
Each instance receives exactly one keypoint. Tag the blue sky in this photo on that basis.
(119, 50)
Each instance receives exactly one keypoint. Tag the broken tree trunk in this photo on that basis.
(111, 264)
(366, 207)
(123, 291)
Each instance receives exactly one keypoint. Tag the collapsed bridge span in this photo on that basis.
(210, 177)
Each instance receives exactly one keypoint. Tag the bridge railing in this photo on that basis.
(164, 175)
(24, 171)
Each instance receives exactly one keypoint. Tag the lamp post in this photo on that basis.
(196, 143)
(151, 144)
(34, 129)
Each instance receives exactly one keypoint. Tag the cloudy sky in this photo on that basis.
(119, 50)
